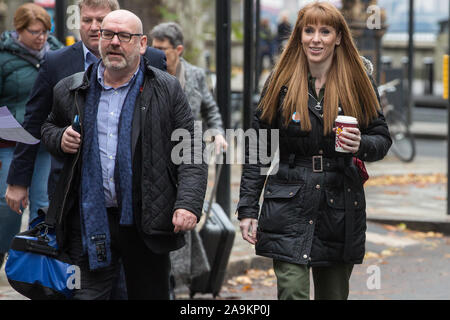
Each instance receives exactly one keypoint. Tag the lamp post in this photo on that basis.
(249, 63)
(410, 59)
(223, 67)
(257, 44)
(60, 21)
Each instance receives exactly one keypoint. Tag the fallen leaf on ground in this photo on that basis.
(243, 280)
(270, 282)
(401, 227)
(419, 180)
(371, 255)
(256, 273)
(231, 282)
(423, 235)
(389, 227)
(421, 185)
(392, 193)
(387, 253)
(432, 234)
(247, 287)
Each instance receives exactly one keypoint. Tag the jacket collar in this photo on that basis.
(81, 79)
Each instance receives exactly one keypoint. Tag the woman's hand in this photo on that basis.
(248, 229)
(350, 139)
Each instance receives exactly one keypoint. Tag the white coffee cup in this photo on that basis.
(341, 123)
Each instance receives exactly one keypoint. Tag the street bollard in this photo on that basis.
(428, 75)
(386, 62)
(404, 61)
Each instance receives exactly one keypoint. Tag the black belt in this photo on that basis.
(317, 163)
(112, 210)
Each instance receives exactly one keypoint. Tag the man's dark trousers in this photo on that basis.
(146, 273)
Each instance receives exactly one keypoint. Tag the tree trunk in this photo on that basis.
(190, 16)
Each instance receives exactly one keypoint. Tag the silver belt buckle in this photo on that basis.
(318, 159)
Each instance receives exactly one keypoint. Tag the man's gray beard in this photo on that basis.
(118, 66)
(121, 65)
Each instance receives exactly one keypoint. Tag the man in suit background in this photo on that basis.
(58, 65)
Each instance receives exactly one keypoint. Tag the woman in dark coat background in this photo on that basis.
(21, 53)
(313, 214)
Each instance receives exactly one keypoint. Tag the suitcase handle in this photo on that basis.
(216, 182)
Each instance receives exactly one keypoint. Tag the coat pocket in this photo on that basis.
(281, 209)
(336, 198)
(331, 222)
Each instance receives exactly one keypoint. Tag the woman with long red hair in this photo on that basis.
(313, 214)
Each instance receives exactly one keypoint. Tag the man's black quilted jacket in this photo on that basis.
(164, 186)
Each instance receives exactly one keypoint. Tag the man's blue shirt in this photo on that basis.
(109, 109)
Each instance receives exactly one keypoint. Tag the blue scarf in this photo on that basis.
(94, 217)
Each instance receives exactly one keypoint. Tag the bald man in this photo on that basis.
(120, 195)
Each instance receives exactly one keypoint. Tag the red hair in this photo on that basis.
(347, 81)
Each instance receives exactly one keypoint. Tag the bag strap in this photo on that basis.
(31, 59)
(50, 216)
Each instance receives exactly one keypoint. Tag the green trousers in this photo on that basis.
(330, 283)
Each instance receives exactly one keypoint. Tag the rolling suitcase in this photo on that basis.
(217, 235)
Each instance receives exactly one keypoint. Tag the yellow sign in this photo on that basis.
(445, 76)
(70, 40)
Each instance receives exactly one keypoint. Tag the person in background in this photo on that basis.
(169, 38)
(283, 31)
(189, 261)
(266, 46)
(21, 55)
(314, 215)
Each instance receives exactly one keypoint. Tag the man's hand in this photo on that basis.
(220, 143)
(70, 141)
(183, 220)
(17, 197)
(248, 229)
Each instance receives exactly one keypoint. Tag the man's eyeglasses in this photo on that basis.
(123, 36)
(38, 33)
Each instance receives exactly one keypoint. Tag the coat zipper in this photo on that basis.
(74, 163)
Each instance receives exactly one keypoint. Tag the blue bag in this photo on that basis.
(36, 268)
